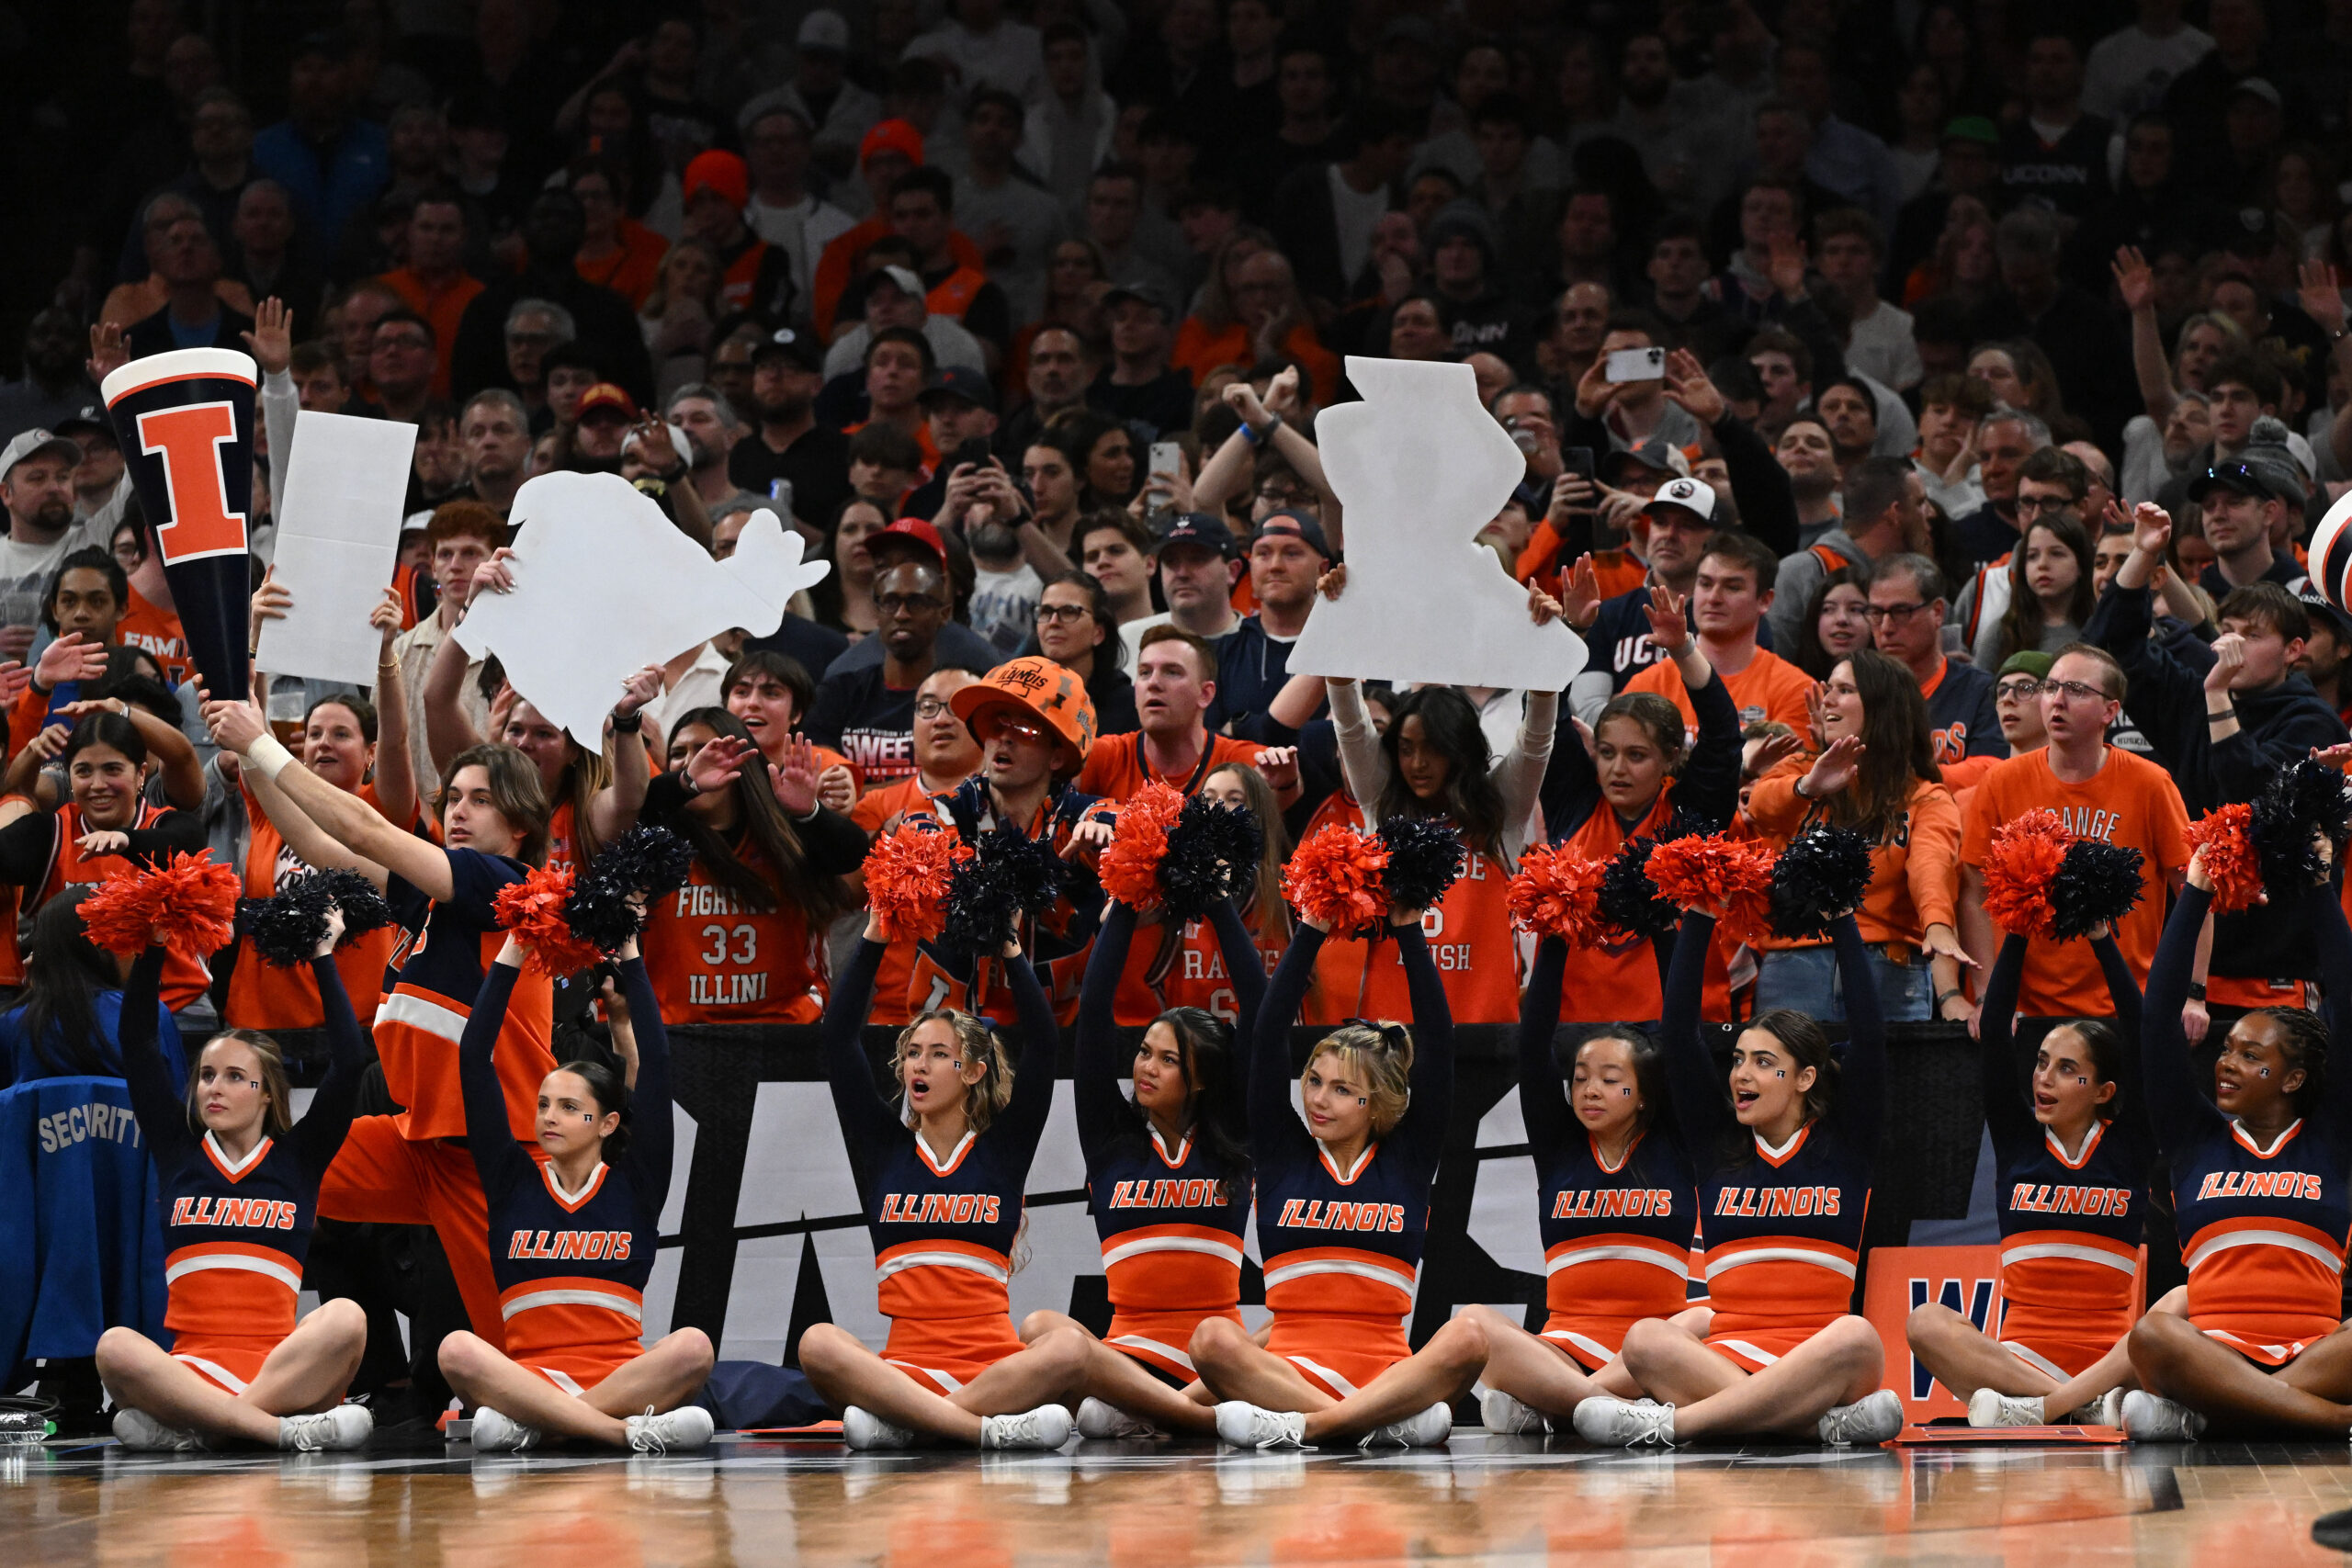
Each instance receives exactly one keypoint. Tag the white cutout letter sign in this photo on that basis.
(605, 584)
(1420, 468)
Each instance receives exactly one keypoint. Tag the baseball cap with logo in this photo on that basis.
(898, 136)
(800, 348)
(1694, 496)
(959, 381)
(603, 398)
(34, 443)
(1292, 524)
(1201, 530)
(1042, 690)
(826, 32)
(919, 532)
(1652, 452)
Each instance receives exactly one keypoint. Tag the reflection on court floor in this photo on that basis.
(1138, 1505)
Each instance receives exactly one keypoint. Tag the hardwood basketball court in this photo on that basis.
(1499, 1501)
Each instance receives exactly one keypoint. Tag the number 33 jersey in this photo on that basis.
(716, 957)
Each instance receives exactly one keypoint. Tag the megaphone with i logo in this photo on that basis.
(184, 420)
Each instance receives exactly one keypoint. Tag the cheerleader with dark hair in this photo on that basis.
(1616, 1206)
(1167, 1174)
(1784, 1180)
(2258, 1175)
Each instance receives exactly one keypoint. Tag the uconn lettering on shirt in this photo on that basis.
(1322, 1215)
(2258, 1184)
(1776, 1202)
(611, 1246)
(2025, 1198)
(1200, 1193)
(247, 1214)
(939, 1209)
(1613, 1203)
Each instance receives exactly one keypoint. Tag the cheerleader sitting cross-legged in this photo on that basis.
(942, 1190)
(238, 1180)
(1617, 1201)
(573, 1240)
(1343, 1207)
(1784, 1180)
(1169, 1177)
(2258, 1175)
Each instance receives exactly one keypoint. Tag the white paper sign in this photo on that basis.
(337, 538)
(605, 584)
(1422, 468)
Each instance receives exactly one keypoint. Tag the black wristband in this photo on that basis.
(2197, 990)
(1943, 997)
(630, 724)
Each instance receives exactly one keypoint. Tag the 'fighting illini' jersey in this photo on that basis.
(715, 959)
(1782, 1225)
(1470, 941)
(571, 1266)
(2262, 1225)
(236, 1232)
(2070, 1224)
(943, 1226)
(263, 996)
(1616, 1237)
(430, 993)
(1346, 1244)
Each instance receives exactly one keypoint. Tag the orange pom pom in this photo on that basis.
(1129, 869)
(2231, 861)
(190, 902)
(1718, 873)
(906, 879)
(533, 909)
(1334, 877)
(1557, 894)
(2020, 864)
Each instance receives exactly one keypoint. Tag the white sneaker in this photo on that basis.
(1871, 1420)
(1507, 1417)
(137, 1429)
(682, 1430)
(495, 1433)
(1246, 1426)
(345, 1426)
(862, 1430)
(2110, 1408)
(2150, 1419)
(1991, 1407)
(1608, 1422)
(1096, 1419)
(1430, 1428)
(1047, 1426)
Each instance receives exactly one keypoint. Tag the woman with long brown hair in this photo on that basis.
(1877, 776)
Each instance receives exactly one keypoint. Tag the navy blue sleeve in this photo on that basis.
(869, 1122)
(1701, 1106)
(1571, 790)
(2179, 1114)
(1707, 785)
(653, 1133)
(2014, 1130)
(1422, 1128)
(1101, 1109)
(2325, 913)
(1244, 964)
(161, 1109)
(1542, 1102)
(1275, 1133)
(1862, 1087)
(1024, 1119)
(320, 1134)
(498, 1160)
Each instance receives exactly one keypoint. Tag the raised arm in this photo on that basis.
(2136, 283)
(1023, 1120)
(182, 775)
(1100, 1107)
(1707, 785)
(1542, 1102)
(2176, 1109)
(489, 1137)
(448, 730)
(2012, 1125)
(2324, 912)
(868, 1120)
(319, 1135)
(652, 1136)
(1274, 1129)
(1519, 773)
(26, 846)
(159, 1103)
(395, 776)
(615, 810)
(1433, 1077)
(1861, 1089)
(1244, 964)
(1702, 1107)
(361, 840)
(1362, 764)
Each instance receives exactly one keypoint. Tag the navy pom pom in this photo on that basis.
(1213, 852)
(1629, 901)
(644, 862)
(2305, 799)
(2097, 883)
(285, 927)
(1822, 874)
(1007, 876)
(1425, 858)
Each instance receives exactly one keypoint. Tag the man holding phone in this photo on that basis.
(1620, 398)
(960, 407)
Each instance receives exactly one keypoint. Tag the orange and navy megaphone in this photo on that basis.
(185, 422)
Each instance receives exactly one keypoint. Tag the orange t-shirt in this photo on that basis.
(1915, 876)
(152, 629)
(264, 996)
(713, 959)
(1116, 768)
(1769, 688)
(443, 310)
(633, 269)
(837, 263)
(2131, 802)
(1200, 350)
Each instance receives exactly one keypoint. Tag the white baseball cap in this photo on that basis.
(34, 441)
(1695, 496)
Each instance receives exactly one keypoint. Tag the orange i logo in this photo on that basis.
(189, 439)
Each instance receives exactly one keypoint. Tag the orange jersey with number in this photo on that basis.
(1187, 971)
(261, 995)
(714, 959)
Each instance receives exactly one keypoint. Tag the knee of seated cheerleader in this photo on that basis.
(1218, 1339)
(1647, 1338)
(2155, 1342)
(1039, 1323)
(1856, 1342)
(461, 1355)
(1929, 1319)
(1065, 1350)
(1463, 1341)
(342, 1316)
(695, 1345)
(117, 1347)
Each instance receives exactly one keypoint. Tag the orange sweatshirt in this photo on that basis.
(1914, 878)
